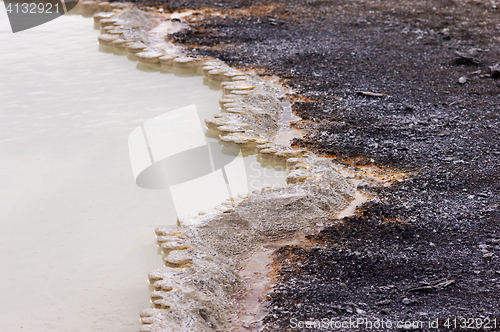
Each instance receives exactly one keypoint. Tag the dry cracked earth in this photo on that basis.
(425, 248)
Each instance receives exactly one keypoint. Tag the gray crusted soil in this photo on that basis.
(427, 247)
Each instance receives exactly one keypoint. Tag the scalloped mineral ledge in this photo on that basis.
(194, 291)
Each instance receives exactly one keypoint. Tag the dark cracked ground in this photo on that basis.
(426, 248)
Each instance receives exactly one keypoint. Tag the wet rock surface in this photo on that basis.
(425, 247)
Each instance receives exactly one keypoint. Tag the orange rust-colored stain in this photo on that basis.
(284, 257)
(270, 10)
(300, 98)
(367, 167)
